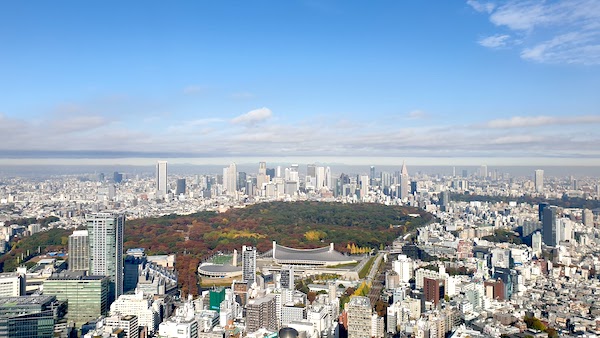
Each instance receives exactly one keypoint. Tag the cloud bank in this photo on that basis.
(554, 32)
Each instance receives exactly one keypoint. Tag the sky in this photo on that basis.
(436, 82)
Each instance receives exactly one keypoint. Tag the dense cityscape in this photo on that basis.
(502, 256)
(300, 169)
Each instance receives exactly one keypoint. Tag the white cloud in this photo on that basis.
(253, 116)
(537, 121)
(483, 7)
(564, 31)
(494, 41)
(78, 124)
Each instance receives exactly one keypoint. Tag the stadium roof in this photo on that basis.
(319, 256)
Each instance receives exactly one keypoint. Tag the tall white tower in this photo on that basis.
(161, 177)
(539, 180)
(105, 236)
(230, 179)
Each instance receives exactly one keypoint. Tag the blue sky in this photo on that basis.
(512, 80)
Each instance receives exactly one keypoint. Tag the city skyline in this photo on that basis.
(476, 82)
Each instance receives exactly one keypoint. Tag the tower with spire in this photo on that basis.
(404, 186)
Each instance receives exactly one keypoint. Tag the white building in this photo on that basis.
(404, 267)
(12, 284)
(137, 305)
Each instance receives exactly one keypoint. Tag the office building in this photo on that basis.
(248, 264)
(364, 186)
(28, 316)
(117, 177)
(261, 313)
(539, 180)
(180, 186)
(161, 178)
(105, 232)
(79, 251)
(230, 179)
(483, 171)
(87, 296)
(550, 231)
(359, 312)
(404, 183)
(262, 177)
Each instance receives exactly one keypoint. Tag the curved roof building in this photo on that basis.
(324, 256)
(219, 270)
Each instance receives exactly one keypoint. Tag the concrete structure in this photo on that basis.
(550, 232)
(359, 314)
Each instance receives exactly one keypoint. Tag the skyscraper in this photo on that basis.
(483, 171)
(539, 180)
(230, 179)
(248, 264)
(261, 177)
(161, 177)
(180, 186)
(404, 188)
(79, 251)
(549, 226)
(105, 231)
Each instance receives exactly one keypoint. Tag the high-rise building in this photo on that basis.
(261, 177)
(536, 244)
(230, 179)
(248, 264)
(433, 290)
(359, 313)
(262, 313)
(287, 278)
(404, 267)
(483, 171)
(320, 178)
(550, 226)
(364, 186)
(79, 251)
(180, 186)
(539, 180)
(105, 231)
(404, 187)
(588, 218)
(311, 170)
(161, 177)
(372, 174)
